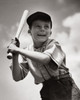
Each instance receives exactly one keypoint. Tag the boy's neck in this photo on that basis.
(38, 44)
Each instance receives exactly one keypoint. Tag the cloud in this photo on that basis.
(10, 33)
(3, 35)
(73, 22)
(25, 38)
(73, 39)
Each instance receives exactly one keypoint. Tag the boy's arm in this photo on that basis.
(16, 71)
(19, 70)
(35, 56)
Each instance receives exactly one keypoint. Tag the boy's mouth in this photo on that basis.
(41, 35)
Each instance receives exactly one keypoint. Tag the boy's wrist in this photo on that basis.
(15, 54)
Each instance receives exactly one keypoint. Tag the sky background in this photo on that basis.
(66, 29)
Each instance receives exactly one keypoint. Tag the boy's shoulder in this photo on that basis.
(51, 42)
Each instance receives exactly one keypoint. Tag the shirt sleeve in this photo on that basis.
(23, 67)
(54, 50)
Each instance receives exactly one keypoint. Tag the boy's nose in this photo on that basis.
(42, 28)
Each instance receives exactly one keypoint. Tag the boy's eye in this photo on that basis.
(46, 27)
(37, 26)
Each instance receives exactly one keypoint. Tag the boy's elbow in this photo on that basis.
(46, 60)
(16, 79)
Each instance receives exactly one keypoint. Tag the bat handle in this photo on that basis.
(17, 43)
(9, 55)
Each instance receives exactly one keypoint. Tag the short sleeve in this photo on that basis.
(53, 49)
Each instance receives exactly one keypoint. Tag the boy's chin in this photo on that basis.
(42, 40)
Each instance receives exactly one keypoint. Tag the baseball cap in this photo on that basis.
(38, 16)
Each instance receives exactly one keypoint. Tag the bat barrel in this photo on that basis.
(21, 25)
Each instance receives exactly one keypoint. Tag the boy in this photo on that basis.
(45, 60)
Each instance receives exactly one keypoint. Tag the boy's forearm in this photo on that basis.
(16, 71)
(36, 56)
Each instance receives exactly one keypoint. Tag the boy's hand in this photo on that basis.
(13, 46)
(16, 42)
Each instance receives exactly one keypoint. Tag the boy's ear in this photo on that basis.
(29, 31)
(50, 32)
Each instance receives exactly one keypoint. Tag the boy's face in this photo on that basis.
(40, 31)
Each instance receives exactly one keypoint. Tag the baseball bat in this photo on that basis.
(20, 27)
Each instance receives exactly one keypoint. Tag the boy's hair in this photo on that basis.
(38, 16)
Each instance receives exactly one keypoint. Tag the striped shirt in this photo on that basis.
(41, 72)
